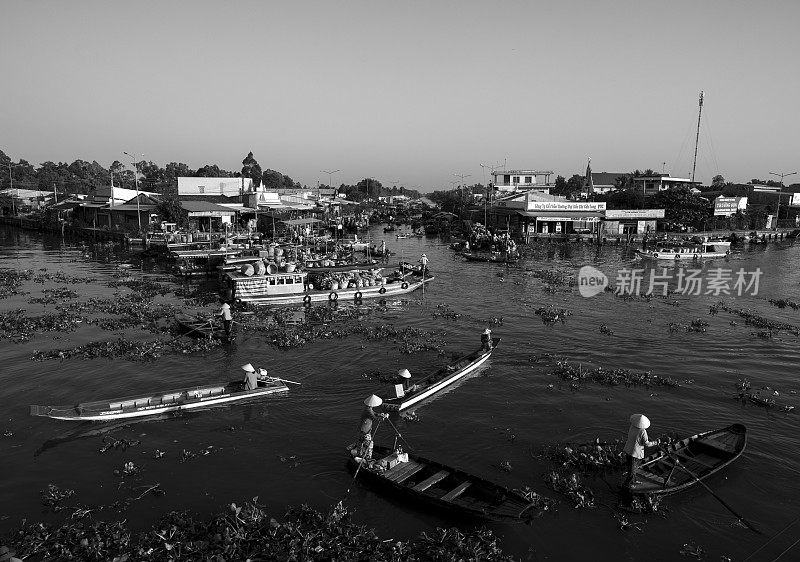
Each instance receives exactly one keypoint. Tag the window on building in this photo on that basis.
(201, 189)
(507, 179)
(516, 180)
(528, 179)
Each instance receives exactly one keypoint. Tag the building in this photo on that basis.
(521, 180)
(726, 206)
(624, 222)
(601, 182)
(534, 213)
(227, 187)
(650, 185)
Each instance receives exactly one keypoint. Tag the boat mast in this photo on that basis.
(697, 138)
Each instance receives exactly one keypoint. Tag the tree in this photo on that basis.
(272, 179)
(718, 182)
(574, 185)
(560, 187)
(681, 206)
(172, 172)
(251, 169)
(170, 210)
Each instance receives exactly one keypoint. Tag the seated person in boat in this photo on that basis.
(634, 447)
(486, 340)
(405, 379)
(250, 381)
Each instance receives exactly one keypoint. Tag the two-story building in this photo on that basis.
(510, 181)
(650, 185)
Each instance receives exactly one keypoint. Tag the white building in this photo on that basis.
(229, 187)
(516, 180)
(650, 185)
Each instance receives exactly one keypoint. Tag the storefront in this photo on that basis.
(629, 222)
(546, 215)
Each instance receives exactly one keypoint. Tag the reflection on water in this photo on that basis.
(468, 427)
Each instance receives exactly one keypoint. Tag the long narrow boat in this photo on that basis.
(685, 251)
(701, 455)
(160, 403)
(439, 380)
(490, 258)
(435, 484)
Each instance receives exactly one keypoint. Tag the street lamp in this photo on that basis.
(136, 183)
(330, 176)
(778, 208)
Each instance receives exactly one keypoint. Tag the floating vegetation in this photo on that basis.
(127, 349)
(643, 503)
(604, 329)
(768, 400)
(540, 503)
(696, 325)
(693, 550)
(783, 303)
(119, 444)
(11, 280)
(611, 377)
(128, 469)
(17, 327)
(551, 314)
(52, 296)
(753, 319)
(552, 277)
(570, 486)
(145, 287)
(52, 496)
(444, 311)
(594, 455)
(188, 455)
(248, 532)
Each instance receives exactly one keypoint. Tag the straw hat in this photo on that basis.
(404, 373)
(640, 421)
(424, 256)
(373, 401)
(249, 368)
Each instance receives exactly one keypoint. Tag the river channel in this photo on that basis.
(290, 450)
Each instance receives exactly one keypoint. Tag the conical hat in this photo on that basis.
(373, 401)
(640, 421)
(487, 331)
(404, 373)
(249, 368)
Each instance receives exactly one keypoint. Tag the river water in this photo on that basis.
(290, 450)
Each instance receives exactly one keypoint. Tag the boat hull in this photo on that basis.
(670, 470)
(153, 405)
(400, 404)
(352, 294)
(680, 256)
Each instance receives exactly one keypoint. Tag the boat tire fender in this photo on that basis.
(358, 295)
(727, 252)
(696, 256)
(655, 254)
(677, 256)
(333, 296)
(307, 300)
(404, 285)
(382, 290)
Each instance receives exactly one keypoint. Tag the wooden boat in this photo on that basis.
(201, 327)
(441, 486)
(438, 381)
(685, 251)
(160, 403)
(293, 288)
(491, 258)
(703, 455)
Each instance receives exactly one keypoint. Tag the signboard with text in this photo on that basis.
(634, 214)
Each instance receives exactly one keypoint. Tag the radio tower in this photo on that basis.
(697, 138)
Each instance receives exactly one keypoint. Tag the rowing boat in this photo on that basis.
(699, 456)
(164, 402)
(489, 258)
(432, 483)
(201, 327)
(438, 381)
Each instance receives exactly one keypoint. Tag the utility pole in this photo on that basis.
(697, 137)
(136, 182)
(780, 192)
(11, 189)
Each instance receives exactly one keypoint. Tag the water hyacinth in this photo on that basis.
(594, 455)
(570, 486)
(612, 377)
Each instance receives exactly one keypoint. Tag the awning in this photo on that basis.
(297, 222)
(562, 215)
(206, 209)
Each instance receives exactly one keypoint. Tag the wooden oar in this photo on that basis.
(710, 491)
(283, 380)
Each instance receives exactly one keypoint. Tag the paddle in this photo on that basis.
(363, 461)
(692, 474)
(282, 380)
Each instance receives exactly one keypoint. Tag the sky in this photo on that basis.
(412, 93)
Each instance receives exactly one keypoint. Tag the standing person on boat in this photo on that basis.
(486, 340)
(637, 441)
(368, 416)
(423, 263)
(227, 317)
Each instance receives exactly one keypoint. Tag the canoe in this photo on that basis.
(163, 402)
(703, 455)
(441, 379)
(440, 486)
(200, 327)
(491, 258)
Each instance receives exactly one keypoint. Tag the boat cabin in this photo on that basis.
(282, 283)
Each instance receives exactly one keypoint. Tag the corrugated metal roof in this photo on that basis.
(201, 206)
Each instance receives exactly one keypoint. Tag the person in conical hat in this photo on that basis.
(486, 340)
(368, 416)
(634, 447)
(405, 374)
(250, 381)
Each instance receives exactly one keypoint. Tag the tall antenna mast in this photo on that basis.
(697, 138)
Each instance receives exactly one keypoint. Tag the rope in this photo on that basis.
(400, 435)
(772, 539)
(791, 546)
